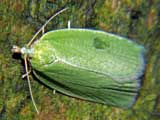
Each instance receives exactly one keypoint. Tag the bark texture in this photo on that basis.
(20, 19)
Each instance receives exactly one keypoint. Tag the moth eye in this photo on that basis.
(100, 43)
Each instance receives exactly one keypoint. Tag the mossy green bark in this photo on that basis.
(20, 19)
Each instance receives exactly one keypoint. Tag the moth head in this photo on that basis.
(16, 50)
(24, 50)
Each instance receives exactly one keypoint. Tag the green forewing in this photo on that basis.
(89, 64)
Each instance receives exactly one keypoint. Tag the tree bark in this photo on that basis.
(20, 19)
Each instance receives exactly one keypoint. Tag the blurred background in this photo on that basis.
(138, 20)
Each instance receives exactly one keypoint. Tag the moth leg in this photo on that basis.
(27, 73)
(54, 91)
(30, 42)
(69, 24)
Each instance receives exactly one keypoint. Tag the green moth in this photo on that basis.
(88, 64)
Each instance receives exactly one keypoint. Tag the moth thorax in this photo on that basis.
(28, 51)
(23, 50)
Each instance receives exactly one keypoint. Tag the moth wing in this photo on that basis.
(88, 85)
(102, 52)
(91, 65)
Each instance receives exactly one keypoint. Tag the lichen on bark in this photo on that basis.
(20, 19)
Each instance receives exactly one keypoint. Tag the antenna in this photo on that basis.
(29, 83)
(16, 49)
(42, 28)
